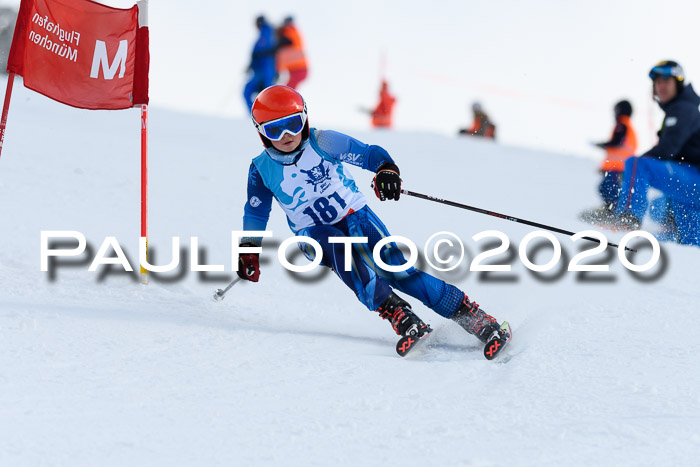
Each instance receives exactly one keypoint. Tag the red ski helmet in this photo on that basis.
(274, 103)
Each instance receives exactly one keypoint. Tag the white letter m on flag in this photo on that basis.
(100, 59)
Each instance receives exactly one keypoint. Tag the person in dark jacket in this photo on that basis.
(262, 61)
(673, 165)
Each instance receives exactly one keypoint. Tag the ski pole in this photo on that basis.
(219, 294)
(502, 216)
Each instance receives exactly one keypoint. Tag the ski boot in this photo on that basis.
(498, 339)
(405, 323)
(484, 326)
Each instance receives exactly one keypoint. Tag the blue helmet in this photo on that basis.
(669, 69)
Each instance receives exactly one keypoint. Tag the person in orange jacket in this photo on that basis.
(622, 145)
(381, 115)
(481, 126)
(290, 53)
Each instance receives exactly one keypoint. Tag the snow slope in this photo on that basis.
(96, 369)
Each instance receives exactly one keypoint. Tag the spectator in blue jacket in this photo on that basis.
(262, 61)
(673, 165)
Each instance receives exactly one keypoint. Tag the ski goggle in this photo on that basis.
(274, 130)
(667, 70)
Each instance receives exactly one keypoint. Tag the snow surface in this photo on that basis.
(96, 369)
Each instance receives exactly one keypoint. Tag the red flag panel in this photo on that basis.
(81, 53)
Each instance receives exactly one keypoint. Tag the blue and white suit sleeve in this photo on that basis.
(257, 207)
(351, 151)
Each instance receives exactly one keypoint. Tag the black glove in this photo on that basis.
(249, 265)
(387, 182)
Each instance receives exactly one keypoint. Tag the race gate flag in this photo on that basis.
(82, 53)
(86, 55)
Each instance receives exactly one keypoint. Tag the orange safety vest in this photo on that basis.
(381, 117)
(291, 57)
(615, 157)
(479, 121)
(476, 125)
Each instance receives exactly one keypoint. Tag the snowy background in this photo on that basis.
(547, 72)
(96, 369)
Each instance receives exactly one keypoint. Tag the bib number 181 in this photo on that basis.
(323, 212)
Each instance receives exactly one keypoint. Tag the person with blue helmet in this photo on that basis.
(672, 166)
(262, 61)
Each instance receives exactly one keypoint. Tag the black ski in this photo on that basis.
(410, 342)
(495, 346)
